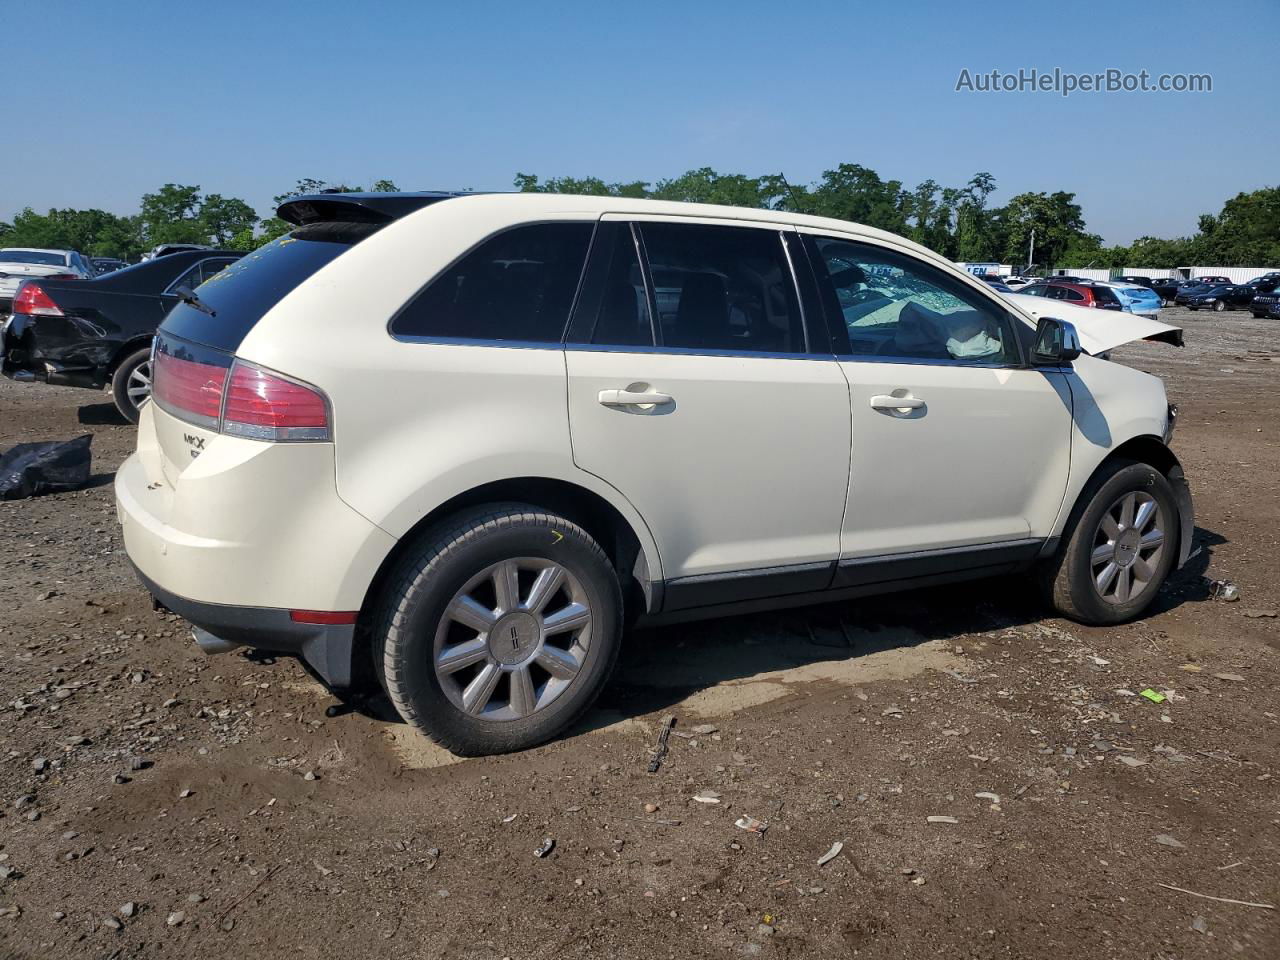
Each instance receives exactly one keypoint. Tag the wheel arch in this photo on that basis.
(126, 348)
(640, 575)
(1153, 451)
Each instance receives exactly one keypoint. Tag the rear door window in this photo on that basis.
(722, 288)
(517, 286)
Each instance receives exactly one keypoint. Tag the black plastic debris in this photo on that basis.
(32, 469)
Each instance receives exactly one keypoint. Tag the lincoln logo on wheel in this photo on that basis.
(515, 639)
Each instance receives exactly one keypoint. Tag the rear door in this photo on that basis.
(960, 451)
(697, 389)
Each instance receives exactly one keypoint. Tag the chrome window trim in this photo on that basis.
(481, 342)
(694, 351)
(928, 361)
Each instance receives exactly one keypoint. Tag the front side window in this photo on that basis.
(722, 288)
(895, 307)
(516, 286)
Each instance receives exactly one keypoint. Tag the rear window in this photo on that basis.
(241, 294)
(33, 256)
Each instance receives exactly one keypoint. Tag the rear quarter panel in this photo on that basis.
(416, 424)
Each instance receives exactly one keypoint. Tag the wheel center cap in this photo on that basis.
(1127, 547)
(514, 637)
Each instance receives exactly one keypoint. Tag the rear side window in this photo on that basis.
(241, 294)
(516, 286)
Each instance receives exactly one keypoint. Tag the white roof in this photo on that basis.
(34, 250)
(523, 205)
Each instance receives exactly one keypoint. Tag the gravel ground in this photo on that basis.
(155, 802)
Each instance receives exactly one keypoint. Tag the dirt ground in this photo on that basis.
(155, 802)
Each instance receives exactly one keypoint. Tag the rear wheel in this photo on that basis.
(131, 383)
(500, 630)
(1120, 549)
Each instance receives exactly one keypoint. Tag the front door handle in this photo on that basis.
(633, 398)
(883, 401)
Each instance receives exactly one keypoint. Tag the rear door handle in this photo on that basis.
(631, 398)
(883, 401)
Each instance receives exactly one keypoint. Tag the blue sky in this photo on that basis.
(112, 100)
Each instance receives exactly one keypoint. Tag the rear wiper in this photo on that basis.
(187, 295)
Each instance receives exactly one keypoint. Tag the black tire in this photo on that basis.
(427, 579)
(127, 406)
(1220, 306)
(1068, 578)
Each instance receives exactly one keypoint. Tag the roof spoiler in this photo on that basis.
(356, 207)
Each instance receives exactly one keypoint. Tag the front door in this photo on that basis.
(960, 450)
(693, 391)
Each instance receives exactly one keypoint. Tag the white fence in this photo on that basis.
(1234, 274)
(1153, 273)
(1086, 272)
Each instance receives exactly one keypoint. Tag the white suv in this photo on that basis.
(457, 442)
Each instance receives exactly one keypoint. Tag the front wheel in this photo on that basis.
(1219, 306)
(499, 631)
(131, 383)
(1119, 550)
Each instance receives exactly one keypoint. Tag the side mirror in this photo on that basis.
(1057, 343)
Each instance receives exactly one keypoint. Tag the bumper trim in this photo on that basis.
(328, 649)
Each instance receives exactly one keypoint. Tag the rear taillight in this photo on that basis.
(31, 299)
(266, 406)
(242, 401)
(187, 389)
(63, 276)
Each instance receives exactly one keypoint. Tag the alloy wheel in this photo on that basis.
(1127, 547)
(138, 386)
(513, 639)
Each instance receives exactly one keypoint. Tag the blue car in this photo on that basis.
(1135, 298)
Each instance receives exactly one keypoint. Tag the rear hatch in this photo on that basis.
(198, 386)
(196, 345)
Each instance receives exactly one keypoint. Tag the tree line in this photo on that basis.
(175, 213)
(958, 222)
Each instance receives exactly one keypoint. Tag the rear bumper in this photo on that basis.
(245, 523)
(326, 648)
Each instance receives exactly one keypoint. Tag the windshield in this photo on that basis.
(34, 256)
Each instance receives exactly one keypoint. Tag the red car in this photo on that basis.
(1077, 294)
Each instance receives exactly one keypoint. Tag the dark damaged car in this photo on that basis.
(97, 333)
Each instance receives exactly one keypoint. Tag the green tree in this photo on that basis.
(225, 217)
(171, 215)
(1055, 218)
(92, 232)
(854, 192)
